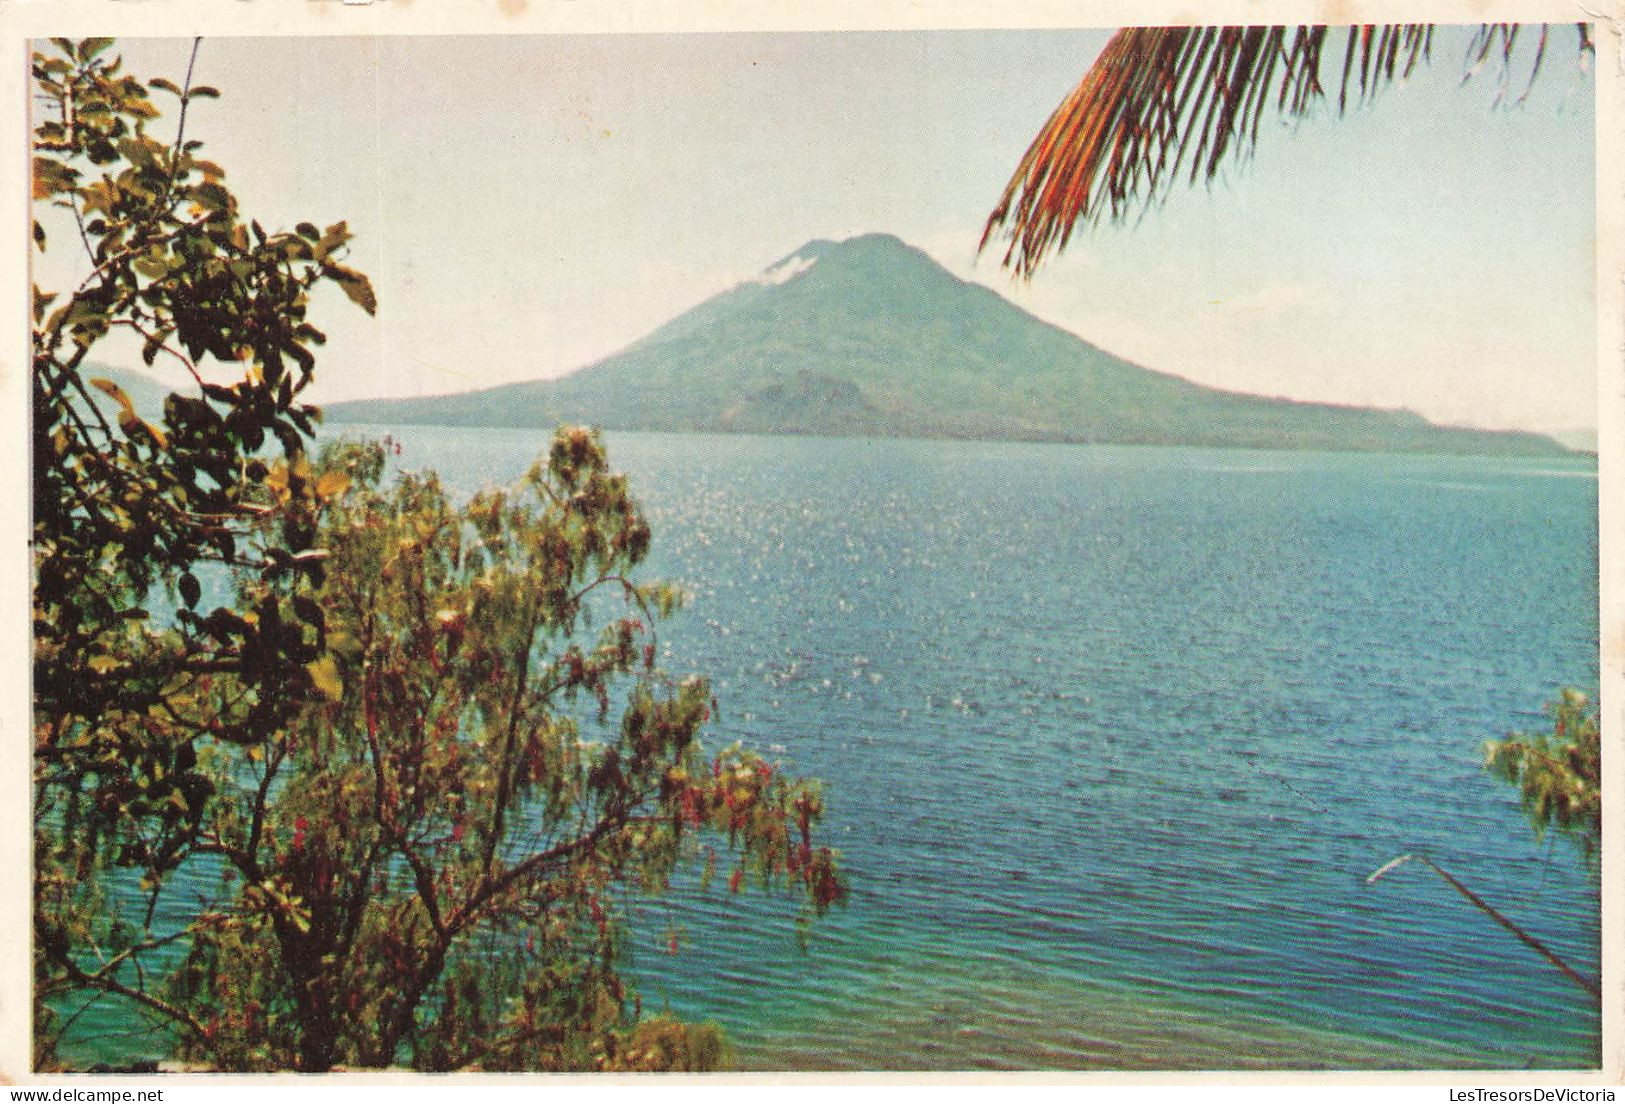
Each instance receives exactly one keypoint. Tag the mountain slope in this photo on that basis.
(871, 337)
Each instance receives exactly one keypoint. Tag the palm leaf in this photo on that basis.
(1122, 137)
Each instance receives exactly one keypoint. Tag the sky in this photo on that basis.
(527, 205)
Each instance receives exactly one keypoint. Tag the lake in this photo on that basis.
(1111, 739)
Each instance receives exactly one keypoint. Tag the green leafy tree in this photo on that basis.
(1558, 773)
(413, 810)
(127, 512)
(434, 862)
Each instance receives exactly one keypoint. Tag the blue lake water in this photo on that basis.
(1111, 739)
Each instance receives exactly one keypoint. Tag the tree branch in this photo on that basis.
(113, 985)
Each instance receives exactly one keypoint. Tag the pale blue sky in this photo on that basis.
(526, 205)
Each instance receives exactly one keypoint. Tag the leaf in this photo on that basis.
(332, 484)
(152, 268)
(346, 644)
(213, 197)
(356, 286)
(309, 611)
(133, 425)
(128, 420)
(324, 675)
(52, 176)
(166, 85)
(297, 917)
(90, 47)
(203, 92)
(137, 152)
(306, 361)
(334, 236)
(190, 590)
(117, 392)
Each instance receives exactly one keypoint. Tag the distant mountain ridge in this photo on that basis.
(871, 337)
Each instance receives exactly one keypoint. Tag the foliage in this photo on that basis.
(433, 860)
(360, 796)
(129, 515)
(1558, 773)
(1121, 138)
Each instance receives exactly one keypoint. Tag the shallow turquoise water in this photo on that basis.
(1112, 738)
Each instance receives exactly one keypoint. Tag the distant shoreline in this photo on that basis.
(1561, 452)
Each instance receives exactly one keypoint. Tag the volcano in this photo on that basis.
(871, 337)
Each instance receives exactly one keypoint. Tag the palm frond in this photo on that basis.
(1124, 135)
(1489, 910)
